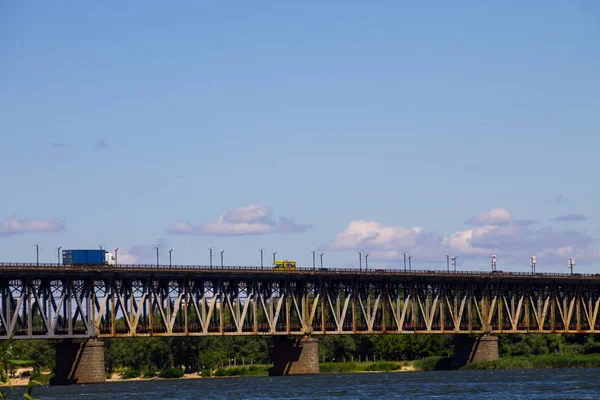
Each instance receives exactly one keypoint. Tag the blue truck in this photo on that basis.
(87, 257)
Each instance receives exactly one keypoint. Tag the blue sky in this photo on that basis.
(464, 128)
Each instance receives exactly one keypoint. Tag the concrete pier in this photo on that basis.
(468, 349)
(297, 356)
(79, 362)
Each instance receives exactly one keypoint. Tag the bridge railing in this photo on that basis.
(269, 269)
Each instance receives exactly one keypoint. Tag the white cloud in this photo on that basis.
(124, 257)
(143, 253)
(373, 235)
(462, 241)
(249, 220)
(387, 242)
(13, 226)
(248, 214)
(495, 233)
(495, 216)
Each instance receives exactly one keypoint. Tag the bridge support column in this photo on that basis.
(79, 362)
(295, 356)
(468, 349)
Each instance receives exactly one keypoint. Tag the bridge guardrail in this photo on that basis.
(303, 270)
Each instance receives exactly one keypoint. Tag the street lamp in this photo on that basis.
(58, 254)
(404, 254)
(366, 261)
(493, 258)
(156, 256)
(571, 263)
(454, 262)
(314, 265)
(261, 258)
(322, 260)
(448, 262)
(222, 251)
(37, 254)
(409, 263)
(170, 259)
(359, 261)
(533, 261)
(116, 257)
(210, 249)
(274, 257)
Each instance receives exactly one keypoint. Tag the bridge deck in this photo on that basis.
(254, 271)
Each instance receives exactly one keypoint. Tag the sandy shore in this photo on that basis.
(21, 379)
(119, 378)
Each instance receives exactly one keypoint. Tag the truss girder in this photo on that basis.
(119, 306)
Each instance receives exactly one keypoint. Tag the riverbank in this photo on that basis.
(515, 362)
(263, 370)
(349, 367)
(538, 362)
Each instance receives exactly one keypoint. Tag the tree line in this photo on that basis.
(195, 354)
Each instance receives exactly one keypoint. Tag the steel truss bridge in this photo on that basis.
(54, 301)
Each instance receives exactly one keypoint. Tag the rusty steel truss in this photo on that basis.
(52, 301)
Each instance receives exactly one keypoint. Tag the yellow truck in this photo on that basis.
(284, 265)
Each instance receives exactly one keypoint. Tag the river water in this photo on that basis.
(582, 383)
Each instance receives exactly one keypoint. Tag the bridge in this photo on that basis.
(98, 301)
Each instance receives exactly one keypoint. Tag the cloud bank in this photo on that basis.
(13, 226)
(492, 232)
(249, 220)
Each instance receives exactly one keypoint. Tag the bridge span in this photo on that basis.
(55, 301)
(94, 302)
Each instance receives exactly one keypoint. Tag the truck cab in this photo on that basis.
(110, 258)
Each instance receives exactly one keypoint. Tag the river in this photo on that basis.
(583, 383)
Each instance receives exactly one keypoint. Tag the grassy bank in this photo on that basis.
(516, 362)
(349, 367)
(325, 368)
(542, 361)
(253, 370)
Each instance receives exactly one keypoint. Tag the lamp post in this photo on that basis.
(448, 262)
(170, 258)
(409, 263)
(274, 253)
(58, 254)
(156, 256)
(322, 260)
(533, 261)
(37, 254)
(359, 261)
(454, 262)
(210, 251)
(571, 263)
(222, 251)
(493, 258)
(314, 260)
(404, 254)
(366, 261)
(116, 256)
(261, 258)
